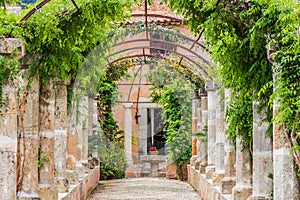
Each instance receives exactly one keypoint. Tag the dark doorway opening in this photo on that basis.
(155, 134)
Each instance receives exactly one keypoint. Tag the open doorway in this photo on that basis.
(155, 134)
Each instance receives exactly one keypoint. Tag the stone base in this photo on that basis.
(83, 189)
(217, 177)
(23, 196)
(258, 198)
(80, 170)
(62, 184)
(197, 164)
(131, 172)
(227, 184)
(204, 186)
(193, 160)
(171, 171)
(241, 192)
(209, 171)
(202, 167)
(28, 198)
(72, 176)
(47, 191)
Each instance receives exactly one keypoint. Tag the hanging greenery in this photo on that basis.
(171, 89)
(238, 33)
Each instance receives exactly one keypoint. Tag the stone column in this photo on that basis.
(8, 139)
(229, 180)
(262, 156)
(219, 153)
(285, 177)
(46, 173)
(29, 121)
(79, 138)
(128, 131)
(72, 174)
(94, 129)
(211, 138)
(60, 132)
(203, 139)
(195, 103)
(199, 139)
(142, 130)
(243, 188)
(85, 131)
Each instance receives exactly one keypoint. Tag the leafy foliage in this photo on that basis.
(238, 34)
(113, 160)
(170, 90)
(112, 156)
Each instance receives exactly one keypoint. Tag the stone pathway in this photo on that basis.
(144, 189)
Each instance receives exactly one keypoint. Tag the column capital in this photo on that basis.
(8, 45)
(202, 92)
(210, 86)
(127, 105)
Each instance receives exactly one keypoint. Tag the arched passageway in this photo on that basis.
(50, 152)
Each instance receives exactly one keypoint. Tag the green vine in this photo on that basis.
(238, 33)
(170, 90)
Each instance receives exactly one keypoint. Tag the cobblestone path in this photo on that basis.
(144, 189)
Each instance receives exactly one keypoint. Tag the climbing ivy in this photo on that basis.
(171, 89)
(111, 144)
(238, 33)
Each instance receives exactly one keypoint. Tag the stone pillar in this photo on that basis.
(211, 138)
(195, 102)
(128, 131)
(85, 131)
(8, 139)
(285, 177)
(219, 153)
(79, 138)
(46, 173)
(72, 174)
(229, 180)
(203, 139)
(94, 129)
(29, 121)
(262, 156)
(60, 132)
(143, 131)
(82, 127)
(243, 188)
(199, 139)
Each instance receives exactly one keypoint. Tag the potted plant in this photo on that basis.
(153, 150)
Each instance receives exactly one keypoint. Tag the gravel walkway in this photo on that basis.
(144, 189)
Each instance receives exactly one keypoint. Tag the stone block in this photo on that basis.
(47, 192)
(217, 177)
(72, 176)
(28, 198)
(227, 184)
(197, 164)
(82, 190)
(241, 192)
(202, 167)
(193, 160)
(171, 171)
(9, 45)
(258, 198)
(8, 169)
(209, 171)
(62, 184)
